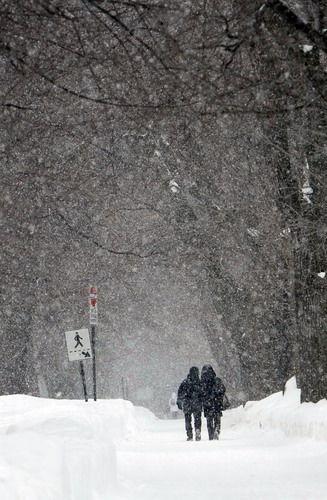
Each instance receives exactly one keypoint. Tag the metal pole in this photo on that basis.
(81, 367)
(94, 363)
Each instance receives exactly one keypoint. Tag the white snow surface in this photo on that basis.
(111, 450)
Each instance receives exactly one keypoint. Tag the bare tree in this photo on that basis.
(179, 134)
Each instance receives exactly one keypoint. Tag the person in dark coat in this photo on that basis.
(189, 399)
(213, 391)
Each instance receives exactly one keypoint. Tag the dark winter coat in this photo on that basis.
(189, 396)
(213, 391)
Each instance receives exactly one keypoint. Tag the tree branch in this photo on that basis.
(100, 245)
(294, 21)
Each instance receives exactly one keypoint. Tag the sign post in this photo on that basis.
(79, 349)
(81, 368)
(93, 323)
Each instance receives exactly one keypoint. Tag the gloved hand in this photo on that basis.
(179, 404)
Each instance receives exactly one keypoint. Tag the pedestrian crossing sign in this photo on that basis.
(78, 345)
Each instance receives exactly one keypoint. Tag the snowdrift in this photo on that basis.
(67, 450)
(52, 450)
(284, 411)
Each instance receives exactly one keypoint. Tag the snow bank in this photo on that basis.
(53, 450)
(284, 412)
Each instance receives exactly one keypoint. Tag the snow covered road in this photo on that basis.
(273, 449)
(246, 464)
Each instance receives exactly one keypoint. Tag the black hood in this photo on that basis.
(194, 374)
(208, 374)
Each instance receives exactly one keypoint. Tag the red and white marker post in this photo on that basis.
(93, 302)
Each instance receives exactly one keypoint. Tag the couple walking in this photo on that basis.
(195, 395)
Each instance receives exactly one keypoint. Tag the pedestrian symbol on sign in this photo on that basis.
(78, 339)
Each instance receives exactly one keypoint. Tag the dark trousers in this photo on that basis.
(213, 424)
(188, 422)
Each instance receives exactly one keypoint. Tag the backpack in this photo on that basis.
(226, 403)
